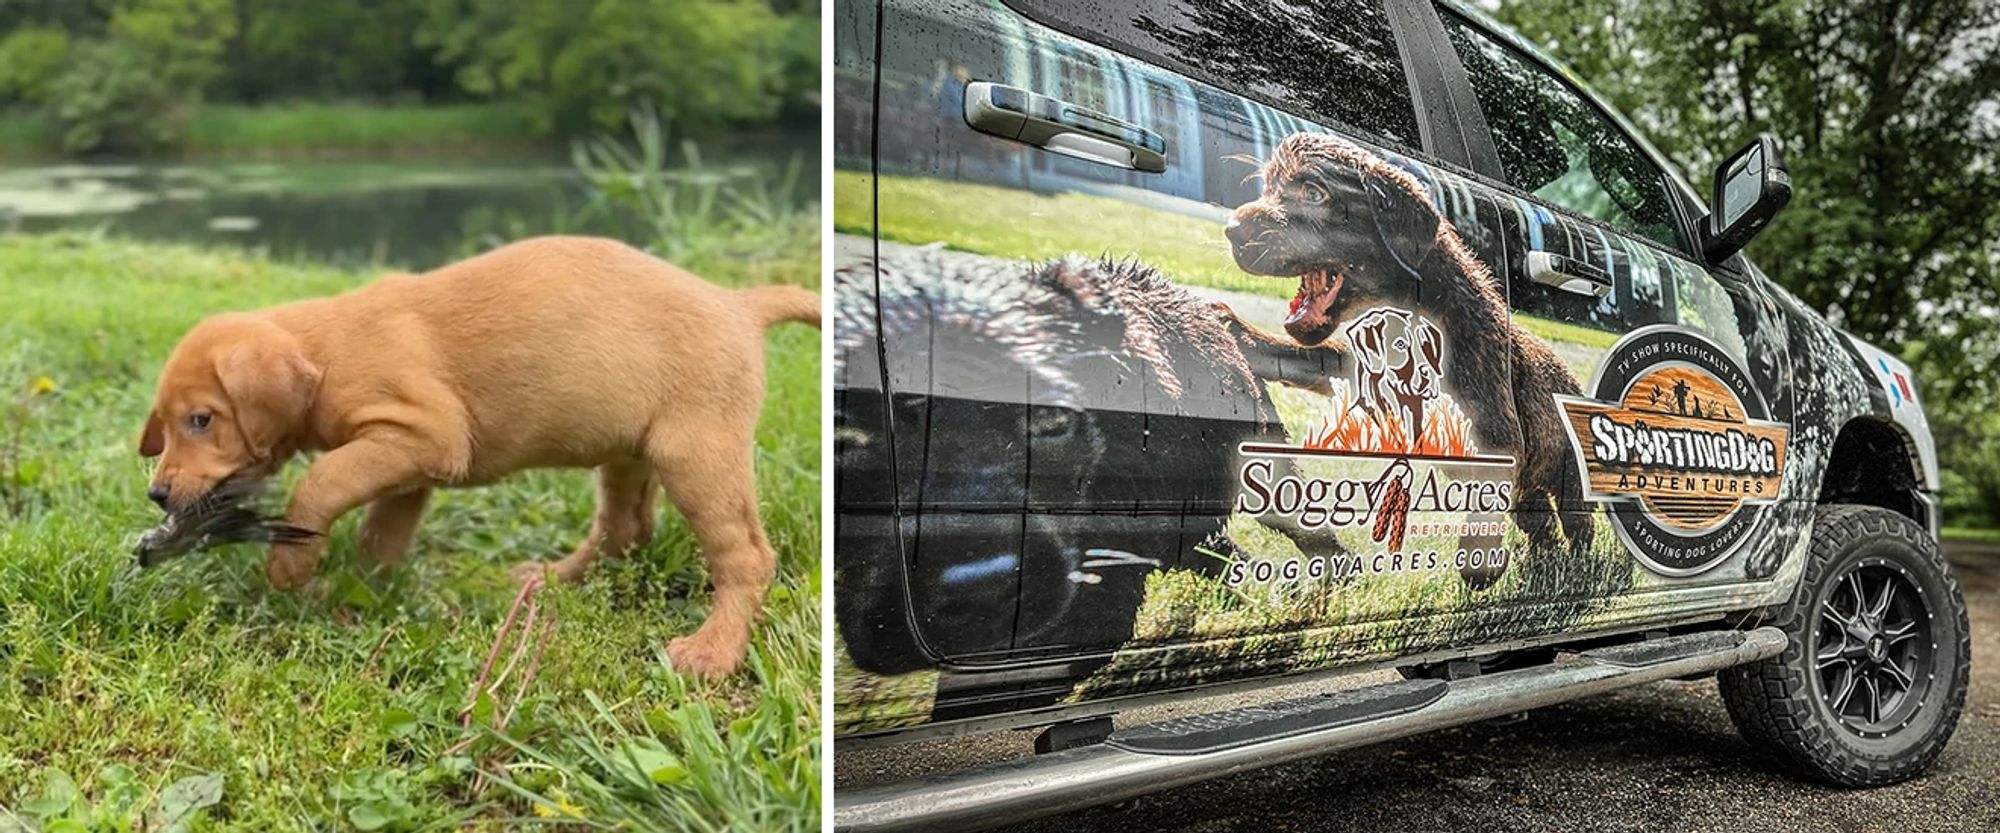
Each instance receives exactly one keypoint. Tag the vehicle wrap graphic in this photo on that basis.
(1408, 448)
(1677, 446)
(1065, 414)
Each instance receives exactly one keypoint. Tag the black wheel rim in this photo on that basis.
(1872, 649)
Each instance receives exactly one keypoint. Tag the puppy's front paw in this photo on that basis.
(530, 570)
(290, 566)
(704, 657)
(561, 570)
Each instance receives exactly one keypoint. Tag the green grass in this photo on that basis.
(224, 129)
(1558, 331)
(21, 135)
(1008, 222)
(1982, 535)
(126, 694)
(292, 129)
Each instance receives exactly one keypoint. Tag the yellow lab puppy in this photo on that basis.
(555, 351)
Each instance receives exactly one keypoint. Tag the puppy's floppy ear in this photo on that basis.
(271, 385)
(153, 438)
(1404, 218)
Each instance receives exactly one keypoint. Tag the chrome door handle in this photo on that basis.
(1568, 274)
(1062, 127)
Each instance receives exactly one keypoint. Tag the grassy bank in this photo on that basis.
(234, 129)
(193, 688)
(994, 221)
(310, 128)
(1977, 535)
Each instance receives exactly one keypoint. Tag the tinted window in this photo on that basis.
(1556, 146)
(1333, 59)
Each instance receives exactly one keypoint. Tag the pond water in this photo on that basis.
(405, 212)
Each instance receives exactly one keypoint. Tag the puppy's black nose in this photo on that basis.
(158, 495)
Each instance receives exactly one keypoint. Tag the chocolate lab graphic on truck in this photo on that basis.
(1359, 233)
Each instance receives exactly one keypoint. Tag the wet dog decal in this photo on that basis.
(1359, 233)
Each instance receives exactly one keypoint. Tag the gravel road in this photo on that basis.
(1660, 757)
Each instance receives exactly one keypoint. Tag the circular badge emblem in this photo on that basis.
(1675, 443)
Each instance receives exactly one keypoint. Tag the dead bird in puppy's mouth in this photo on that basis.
(228, 514)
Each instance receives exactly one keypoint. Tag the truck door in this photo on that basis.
(1656, 468)
(1051, 188)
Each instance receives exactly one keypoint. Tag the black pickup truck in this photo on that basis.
(1186, 345)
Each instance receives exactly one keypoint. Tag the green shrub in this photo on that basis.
(111, 99)
(131, 91)
(586, 64)
(30, 59)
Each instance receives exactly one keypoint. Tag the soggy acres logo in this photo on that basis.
(1676, 445)
(1394, 445)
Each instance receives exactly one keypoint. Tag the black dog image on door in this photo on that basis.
(1360, 233)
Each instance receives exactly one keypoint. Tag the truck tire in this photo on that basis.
(1872, 684)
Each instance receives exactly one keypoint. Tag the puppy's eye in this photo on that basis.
(1313, 194)
(198, 421)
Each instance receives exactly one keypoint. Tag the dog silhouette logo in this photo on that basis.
(1393, 457)
(1399, 361)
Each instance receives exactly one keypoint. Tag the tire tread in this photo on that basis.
(1771, 701)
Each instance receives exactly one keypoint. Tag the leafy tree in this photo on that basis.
(130, 86)
(30, 59)
(1889, 112)
(798, 56)
(586, 64)
(110, 100)
(136, 69)
(311, 48)
(181, 39)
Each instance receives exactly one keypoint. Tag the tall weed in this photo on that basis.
(648, 188)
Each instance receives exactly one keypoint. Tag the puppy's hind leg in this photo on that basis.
(390, 526)
(626, 495)
(707, 473)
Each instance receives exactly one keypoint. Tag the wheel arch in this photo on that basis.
(1876, 462)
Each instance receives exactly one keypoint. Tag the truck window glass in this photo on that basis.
(1333, 59)
(1557, 147)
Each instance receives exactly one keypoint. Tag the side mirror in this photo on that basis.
(1750, 188)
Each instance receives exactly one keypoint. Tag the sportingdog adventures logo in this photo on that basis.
(1401, 446)
(1677, 447)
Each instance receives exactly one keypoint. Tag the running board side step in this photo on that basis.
(1144, 759)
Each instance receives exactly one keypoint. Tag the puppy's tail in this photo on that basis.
(776, 304)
